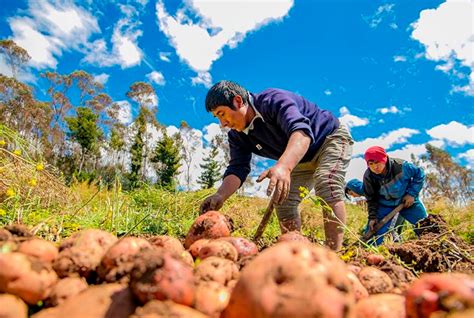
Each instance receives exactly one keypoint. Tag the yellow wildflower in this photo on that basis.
(3, 212)
(2, 142)
(40, 166)
(32, 182)
(302, 195)
(10, 192)
(17, 152)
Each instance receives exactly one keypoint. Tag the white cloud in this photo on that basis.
(408, 150)
(219, 24)
(165, 56)
(211, 131)
(350, 120)
(383, 12)
(203, 78)
(49, 29)
(102, 78)
(125, 112)
(23, 75)
(385, 110)
(356, 169)
(327, 92)
(399, 58)
(156, 77)
(447, 35)
(469, 157)
(385, 140)
(454, 133)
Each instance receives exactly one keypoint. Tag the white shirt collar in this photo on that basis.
(257, 115)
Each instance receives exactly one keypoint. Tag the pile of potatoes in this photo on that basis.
(95, 274)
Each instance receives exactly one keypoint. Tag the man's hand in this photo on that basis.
(372, 223)
(280, 179)
(408, 200)
(213, 202)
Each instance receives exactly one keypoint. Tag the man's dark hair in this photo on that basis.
(223, 93)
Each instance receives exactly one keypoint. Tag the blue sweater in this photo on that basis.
(402, 177)
(282, 113)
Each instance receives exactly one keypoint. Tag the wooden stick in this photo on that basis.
(382, 222)
(264, 222)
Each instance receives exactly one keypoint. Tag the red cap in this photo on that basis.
(376, 153)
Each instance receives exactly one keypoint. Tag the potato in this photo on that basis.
(375, 281)
(101, 301)
(5, 235)
(220, 249)
(64, 289)
(444, 292)
(211, 298)
(292, 279)
(169, 243)
(25, 277)
(117, 262)
(293, 236)
(80, 254)
(166, 309)
(381, 306)
(210, 225)
(243, 246)
(19, 231)
(354, 268)
(158, 274)
(39, 248)
(196, 247)
(187, 258)
(375, 259)
(12, 307)
(216, 269)
(360, 292)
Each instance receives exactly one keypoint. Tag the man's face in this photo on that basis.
(376, 167)
(230, 118)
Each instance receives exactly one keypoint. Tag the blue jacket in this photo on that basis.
(355, 186)
(401, 178)
(279, 114)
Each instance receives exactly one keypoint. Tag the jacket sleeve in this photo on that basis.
(240, 157)
(417, 178)
(372, 195)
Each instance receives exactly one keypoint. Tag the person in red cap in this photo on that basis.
(387, 183)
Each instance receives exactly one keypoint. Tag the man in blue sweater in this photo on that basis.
(389, 182)
(311, 147)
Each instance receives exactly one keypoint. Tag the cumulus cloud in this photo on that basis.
(386, 110)
(215, 25)
(447, 35)
(386, 141)
(383, 12)
(350, 120)
(125, 112)
(203, 78)
(327, 92)
(102, 78)
(469, 157)
(156, 77)
(47, 29)
(399, 58)
(165, 56)
(454, 133)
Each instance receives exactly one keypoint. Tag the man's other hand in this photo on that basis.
(280, 178)
(408, 201)
(213, 202)
(372, 224)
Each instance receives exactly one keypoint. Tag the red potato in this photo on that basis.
(375, 281)
(100, 301)
(160, 275)
(360, 292)
(166, 309)
(117, 262)
(441, 293)
(243, 246)
(5, 235)
(381, 306)
(216, 269)
(64, 289)
(375, 259)
(220, 249)
(187, 258)
(26, 277)
(211, 298)
(39, 248)
(210, 225)
(80, 254)
(12, 307)
(196, 247)
(295, 236)
(169, 243)
(292, 279)
(354, 268)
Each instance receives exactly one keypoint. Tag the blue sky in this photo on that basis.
(399, 73)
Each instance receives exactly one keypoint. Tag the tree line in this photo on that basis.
(78, 131)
